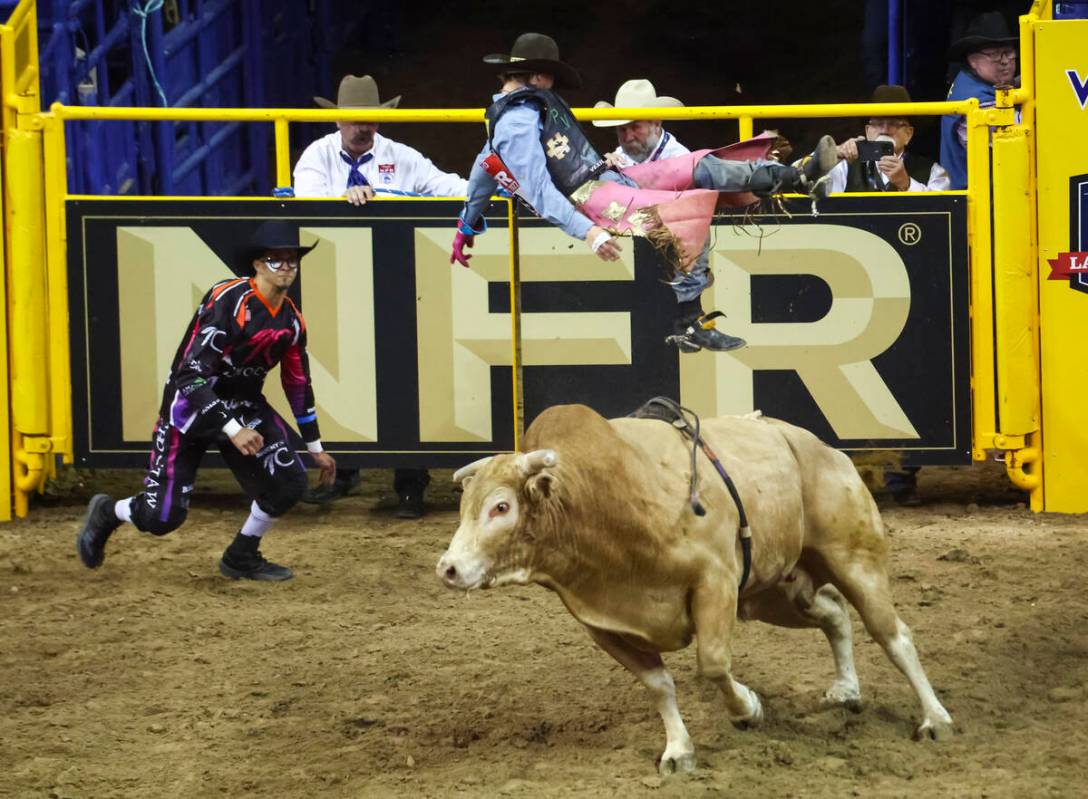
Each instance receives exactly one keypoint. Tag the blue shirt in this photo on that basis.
(516, 138)
(953, 151)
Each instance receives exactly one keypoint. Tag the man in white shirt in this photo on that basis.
(901, 171)
(640, 140)
(356, 162)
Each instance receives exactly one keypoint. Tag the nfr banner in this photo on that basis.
(856, 323)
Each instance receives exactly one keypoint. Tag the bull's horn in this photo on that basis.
(533, 462)
(470, 469)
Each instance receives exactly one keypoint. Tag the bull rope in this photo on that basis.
(687, 422)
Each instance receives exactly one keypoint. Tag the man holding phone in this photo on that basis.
(878, 161)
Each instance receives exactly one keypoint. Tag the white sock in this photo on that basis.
(258, 522)
(122, 508)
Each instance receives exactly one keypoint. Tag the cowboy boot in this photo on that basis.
(770, 179)
(695, 330)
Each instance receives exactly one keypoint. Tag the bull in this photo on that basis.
(596, 511)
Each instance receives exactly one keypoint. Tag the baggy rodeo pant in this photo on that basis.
(275, 478)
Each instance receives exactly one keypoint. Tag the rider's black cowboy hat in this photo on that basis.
(535, 52)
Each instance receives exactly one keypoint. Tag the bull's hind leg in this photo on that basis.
(796, 603)
(714, 609)
(864, 581)
(679, 754)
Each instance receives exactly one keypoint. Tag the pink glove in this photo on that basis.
(460, 241)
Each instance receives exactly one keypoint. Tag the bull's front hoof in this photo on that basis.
(676, 764)
(930, 730)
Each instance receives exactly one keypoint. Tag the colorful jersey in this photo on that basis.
(233, 342)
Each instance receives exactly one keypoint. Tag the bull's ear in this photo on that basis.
(539, 487)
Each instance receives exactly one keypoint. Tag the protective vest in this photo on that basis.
(571, 159)
(918, 167)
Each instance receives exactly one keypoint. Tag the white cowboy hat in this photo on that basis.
(638, 93)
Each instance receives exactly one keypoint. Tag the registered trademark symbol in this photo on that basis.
(910, 234)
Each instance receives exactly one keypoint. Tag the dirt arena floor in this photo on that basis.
(155, 677)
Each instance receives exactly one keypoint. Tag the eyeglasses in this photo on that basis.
(890, 124)
(276, 264)
(997, 56)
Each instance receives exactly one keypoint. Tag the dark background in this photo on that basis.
(704, 53)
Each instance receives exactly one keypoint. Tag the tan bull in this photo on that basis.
(597, 511)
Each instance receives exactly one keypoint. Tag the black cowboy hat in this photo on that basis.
(891, 93)
(535, 52)
(986, 30)
(276, 234)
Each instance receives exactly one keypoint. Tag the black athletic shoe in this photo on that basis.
(253, 569)
(98, 526)
(243, 560)
(907, 497)
(410, 505)
(341, 487)
(697, 334)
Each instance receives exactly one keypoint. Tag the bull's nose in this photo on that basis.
(446, 572)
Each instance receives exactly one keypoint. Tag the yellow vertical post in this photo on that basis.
(5, 430)
(1014, 275)
(1015, 311)
(56, 248)
(27, 313)
(23, 283)
(744, 128)
(980, 262)
(515, 325)
(283, 151)
(27, 281)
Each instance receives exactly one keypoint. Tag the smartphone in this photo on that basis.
(874, 150)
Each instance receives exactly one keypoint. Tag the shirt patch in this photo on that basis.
(387, 172)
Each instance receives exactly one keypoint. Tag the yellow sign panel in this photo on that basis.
(1061, 69)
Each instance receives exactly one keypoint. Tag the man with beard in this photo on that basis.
(243, 329)
(640, 140)
(537, 151)
(988, 53)
(353, 162)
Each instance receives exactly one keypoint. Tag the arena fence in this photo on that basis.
(1004, 270)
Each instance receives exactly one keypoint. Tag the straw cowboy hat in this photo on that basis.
(356, 92)
(535, 52)
(986, 30)
(638, 93)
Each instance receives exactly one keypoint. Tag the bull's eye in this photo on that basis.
(499, 509)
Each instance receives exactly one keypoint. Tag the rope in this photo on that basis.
(143, 12)
(687, 422)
